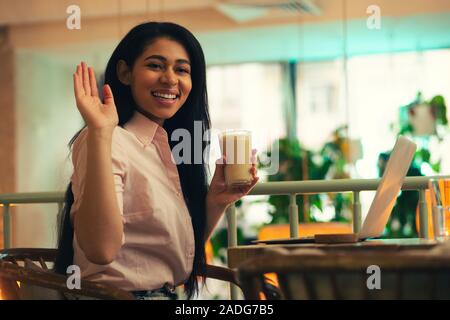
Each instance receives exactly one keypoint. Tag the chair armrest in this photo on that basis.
(50, 280)
(221, 273)
(35, 254)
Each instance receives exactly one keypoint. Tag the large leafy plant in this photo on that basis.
(297, 163)
(403, 217)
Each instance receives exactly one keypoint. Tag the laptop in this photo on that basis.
(382, 204)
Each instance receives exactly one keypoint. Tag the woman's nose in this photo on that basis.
(169, 77)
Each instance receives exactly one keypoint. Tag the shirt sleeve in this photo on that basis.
(79, 160)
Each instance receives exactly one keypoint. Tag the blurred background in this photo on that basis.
(334, 82)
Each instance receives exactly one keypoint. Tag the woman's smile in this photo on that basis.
(165, 97)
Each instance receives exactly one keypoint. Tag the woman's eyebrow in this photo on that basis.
(163, 59)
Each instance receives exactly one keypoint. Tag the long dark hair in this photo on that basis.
(193, 177)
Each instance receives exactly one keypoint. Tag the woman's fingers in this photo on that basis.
(246, 189)
(253, 172)
(77, 85)
(86, 83)
(93, 82)
(253, 156)
(108, 95)
(254, 182)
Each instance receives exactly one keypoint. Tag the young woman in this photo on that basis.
(133, 218)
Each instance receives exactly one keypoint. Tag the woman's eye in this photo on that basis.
(183, 70)
(154, 66)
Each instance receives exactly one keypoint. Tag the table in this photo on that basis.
(239, 254)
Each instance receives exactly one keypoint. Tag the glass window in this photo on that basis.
(247, 96)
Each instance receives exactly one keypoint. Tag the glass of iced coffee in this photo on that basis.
(236, 146)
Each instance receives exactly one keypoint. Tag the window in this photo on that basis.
(247, 96)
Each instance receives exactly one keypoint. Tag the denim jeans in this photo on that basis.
(164, 293)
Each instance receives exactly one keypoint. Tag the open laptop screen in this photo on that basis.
(388, 189)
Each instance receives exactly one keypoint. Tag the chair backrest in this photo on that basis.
(305, 274)
(17, 271)
(45, 257)
(20, 268)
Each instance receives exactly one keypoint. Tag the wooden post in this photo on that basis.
(293, 216)
(232, 241)
(356, 212)
(8, 125)
(6, 227)
(423, 215)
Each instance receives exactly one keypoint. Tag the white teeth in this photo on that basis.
(164, 95)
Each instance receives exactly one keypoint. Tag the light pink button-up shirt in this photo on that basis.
(158, 240)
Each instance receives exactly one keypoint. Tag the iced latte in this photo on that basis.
(236, 146)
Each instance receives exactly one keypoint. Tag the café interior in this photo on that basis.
(326, 87)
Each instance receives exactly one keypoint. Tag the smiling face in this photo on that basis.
(160, 79)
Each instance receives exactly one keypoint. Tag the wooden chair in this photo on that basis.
(44, 257)
(14, 268)
(20, 278)
(313, 274)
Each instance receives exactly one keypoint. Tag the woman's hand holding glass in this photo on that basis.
(220, 195)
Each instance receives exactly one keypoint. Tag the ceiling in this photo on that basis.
(30, 11)
(264, 31)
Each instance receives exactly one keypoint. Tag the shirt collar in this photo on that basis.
(143, 128)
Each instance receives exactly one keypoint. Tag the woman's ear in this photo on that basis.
(123, 72)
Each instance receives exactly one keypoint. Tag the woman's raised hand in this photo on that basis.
(96, 114)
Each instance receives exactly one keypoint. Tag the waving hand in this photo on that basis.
(96, 114)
